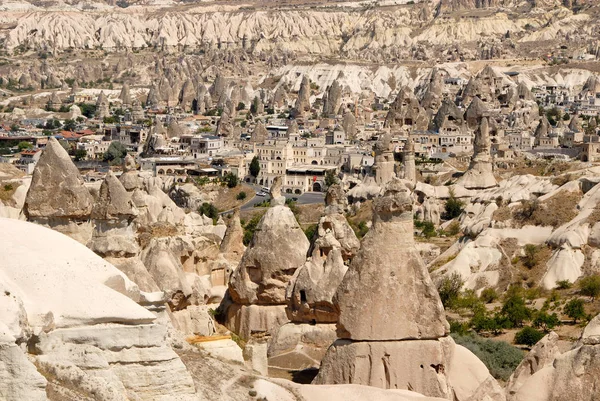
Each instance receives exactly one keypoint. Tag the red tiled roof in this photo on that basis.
(70, 135)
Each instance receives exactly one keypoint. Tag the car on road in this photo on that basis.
(261, 193)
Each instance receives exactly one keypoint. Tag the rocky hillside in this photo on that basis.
(350, 30)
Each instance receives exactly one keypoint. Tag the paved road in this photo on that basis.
(304, 199)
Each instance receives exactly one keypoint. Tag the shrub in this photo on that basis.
(241, 196)
(453, 228)
(449, 289)
(454, 207)
(489, 295)
(231, 180)
(360, 229)
(460, 328)
(530, 258)
(427, 228)
(209, 210)
(514, 309)
(310, 231)
(590, 286)
(574, 309)
(528, 336)
(250, 228)
(563, 284)
(499, 357)
(545, 321)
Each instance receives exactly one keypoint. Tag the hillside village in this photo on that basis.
(299, 201)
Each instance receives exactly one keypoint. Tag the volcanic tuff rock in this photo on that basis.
(570, 375)
(92, 340)
(303, 99)
(57, 189)
(406, 112)
(388, 263)
(333, 99)
(480, 174)
(277, 249)
(398, 340)
(57, 196)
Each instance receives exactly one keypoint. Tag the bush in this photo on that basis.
(241, 196)
(563, 284)
(459, 328)
(530, 258)
(310, 231)
(250, 228)
(528, 336)
(427, 228)
(360, 229)
(575, 309)
(489, 295)
(545, 321)
(209, 210)
(590, 286)
(115, 153)
(449, 289)
(231, 180)
(454, 207)
(514, 309)
(499, 357)
(453, 228)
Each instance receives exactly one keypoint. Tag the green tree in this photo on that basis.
(241, 196)
(454, 207)
(69, 125)
(528, 336)
(545, 321)
(254, 167)
(209, 210)
(250, 228)
(330, 178)
(590, 286)
(115, 153)
(231, 180)
(514, 309)
(14, 128)
(575, 309)
(449, 289)
(240, 106)
(24, 145)
(530, 258)
(80, 154)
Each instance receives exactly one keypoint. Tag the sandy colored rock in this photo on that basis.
(388, 263)
(57, 189)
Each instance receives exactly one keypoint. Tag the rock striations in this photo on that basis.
(392, 328)
(58, 197)
(302, 343)
(258, 285)
(480, 174)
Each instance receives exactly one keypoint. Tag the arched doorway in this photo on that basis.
(316, 187)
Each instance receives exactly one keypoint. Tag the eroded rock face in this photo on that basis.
(480, 174)
(303, 100)
(57, 197)
(406, 112)
(277, 249)
(57, 189)
(388, 263)
(570, 375)
(392, 328)
(333, 100)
